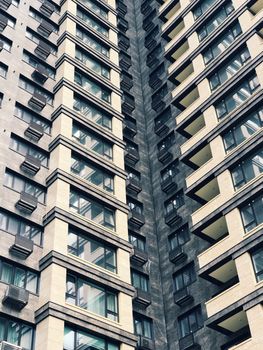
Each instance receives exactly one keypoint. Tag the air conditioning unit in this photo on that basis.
(16, 297)
(8, 346)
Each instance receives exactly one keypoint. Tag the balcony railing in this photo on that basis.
(26, 203)
(133, 185)
(164, 155)
(168, 184)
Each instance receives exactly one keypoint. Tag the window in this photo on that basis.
(28, 117)
(184, 277)
(74, 340)
(18, 276)
(92, 210)
(91, 297)
(142, 326)
(230, 69)
(170, 171)
(175, 202)
(257, 258)
(248, 169)
(163, 118)
(95, 8)
(20, 184)
(32, 88)
(92, 174)
(30, 34)
(93, 43)
(215, 21)
(247, 127)
(39, 17)
(34, 62)
(137, 242)
(3, 70)
(94, 251)
(252, 213)
(222, 43)
(140, 281)
(190, 322)
(135, 207)
(93, 64)
(179, 237)
(10, 21)
(92, 87)
(167, 142)
(202, 7)
(16, 333)
(15, 226)
(24, 148)
(235, 98)
(7, 44)
(92, 142)
(97, 116)
(91, 22)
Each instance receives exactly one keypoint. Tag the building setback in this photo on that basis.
(131, 159)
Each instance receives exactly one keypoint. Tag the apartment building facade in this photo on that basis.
(131, 175)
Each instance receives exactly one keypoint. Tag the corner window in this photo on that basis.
(257, 259)
(252, 213)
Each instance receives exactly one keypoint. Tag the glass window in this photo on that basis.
(28, 117)
(19, 184)
(30, 34)
(230, 69)
(202, 7)
(95, 8)
(167, 142)
(74, 340)
(257, 258)
(31, 88)
(92, 142)
(142, 326)
(184, 277)
(92, 87)
(248, 169)
(91, 22)
(137, 241)
(235, 98)
(92, 113)
(94, 43)
(35, 62)
(16, 333)
(179, 237)
(190, 322)
(39, 17)
(7, 44)
(92, 174)
(24, 149)
(92, 210)
(92, 250)
(92, 297)
(170, 171)
(19, 277)
(140, 281)
(222, 43)
(136, 207)
(93, 64)
(252, 213)
(3, 70)
(215, 21)
(175, 202)
(247, 127)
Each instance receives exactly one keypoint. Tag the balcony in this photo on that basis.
(45, 28)
(22, 247)
(183, 297)
(145, 343)
(168, 184)
(164, 155)
(31, 165)
(124, 42)
(129, 128)
(121, 8)
(143, 298)
(37, 101)
(16, 297)
(27, 203)
(138, 256)
(189, 343)
(126, 82)
(34, 131)
(131, 156)
(177, 255)
(158, 104)
(40, 74)
(42, 50)
(128, 104)
(4, 4)
(172, 218)
(133, 185)
(122, 24)
(136, 219)
(3, 22)
(47, 8)
(125, 61)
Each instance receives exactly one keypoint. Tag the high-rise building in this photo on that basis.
(131, 153)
